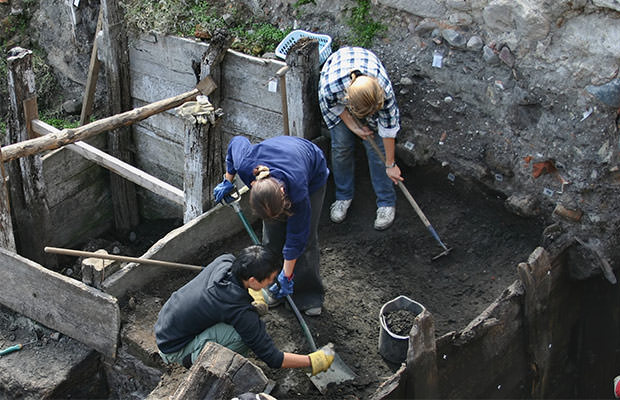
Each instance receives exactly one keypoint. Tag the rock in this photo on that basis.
(608, 93)
(489, 56)
(524, 205)
(475, 43)
(506, 56)
(454, 38)
(72, 107)
(425, 27)
(55, 336)
(406, 81)
(460, 19)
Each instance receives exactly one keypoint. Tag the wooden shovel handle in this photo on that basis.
(78, 253)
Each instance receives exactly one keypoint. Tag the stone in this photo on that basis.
(524, 205)
(454, 38)
(72, 107)
(608, 93)
(506, 56)
(475, 43)
(460, 19)
(425, 27)
(405, 81)
(489, 56)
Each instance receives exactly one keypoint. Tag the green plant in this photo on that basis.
(60, 123)
(364, 27)
(300, 3)
(258, 38)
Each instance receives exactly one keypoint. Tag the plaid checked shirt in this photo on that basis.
(336, 77)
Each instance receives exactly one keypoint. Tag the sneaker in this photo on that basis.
(313, 312)
(385, 217)
(617, 387)
(270, 299)
(338, 210)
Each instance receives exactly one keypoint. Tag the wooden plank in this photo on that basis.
(173, 52)
(151, 88)
(249, 83)
(7, 239)
(63, 304)
(156, 207)
(181, 245)
(244, 119)
(121, 168)
(165, 124)
(93, 74)
(158, 151)
(62, 165)
(94, 175)
(31, 111)
(78, 222)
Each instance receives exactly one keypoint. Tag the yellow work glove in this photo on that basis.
(259, 302)
(322, 358)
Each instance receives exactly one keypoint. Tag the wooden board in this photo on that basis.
(60, 303)
(248, 81)
(250, 120)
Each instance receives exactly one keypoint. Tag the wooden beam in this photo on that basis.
(303, 112)
(7, 240)
(93, 74)
(60, 303)
(117, 166)
(66, 136)
(31, 111)
(31, 214)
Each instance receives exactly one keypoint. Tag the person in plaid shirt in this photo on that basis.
(357, 99)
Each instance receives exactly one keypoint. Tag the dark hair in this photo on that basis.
(267, 198)
(255, 261)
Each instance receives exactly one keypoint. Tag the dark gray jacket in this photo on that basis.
(214, 296)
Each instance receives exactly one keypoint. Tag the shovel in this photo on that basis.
(415, 206)
(338, 372)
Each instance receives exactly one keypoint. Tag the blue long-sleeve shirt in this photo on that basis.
(298, 163)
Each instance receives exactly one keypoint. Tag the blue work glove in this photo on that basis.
(283, 287)
(221, 190)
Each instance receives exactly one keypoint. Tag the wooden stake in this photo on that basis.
(93, 74)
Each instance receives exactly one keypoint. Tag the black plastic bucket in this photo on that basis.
(394, 347)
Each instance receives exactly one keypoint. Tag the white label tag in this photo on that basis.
(273, 85)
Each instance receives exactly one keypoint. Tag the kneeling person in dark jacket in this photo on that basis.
(215, 307)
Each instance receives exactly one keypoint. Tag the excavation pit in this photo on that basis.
(363, 269)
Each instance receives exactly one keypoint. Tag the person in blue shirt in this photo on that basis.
(287, 176)
(215, 306)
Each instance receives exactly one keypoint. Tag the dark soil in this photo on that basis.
(363, 269)
(399, 322)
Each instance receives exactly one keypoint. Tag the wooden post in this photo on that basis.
(205, 150)
(116, 63)
(7, 240)
(422, 375)
(93, 74)
(204, 162)
(539, 309)
(26, 185)
(303, 111)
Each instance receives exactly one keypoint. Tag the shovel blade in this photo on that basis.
(337, 373)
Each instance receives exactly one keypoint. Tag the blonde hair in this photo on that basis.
(364, 96)
(267, 198)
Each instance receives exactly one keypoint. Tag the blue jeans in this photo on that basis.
(343, 166)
